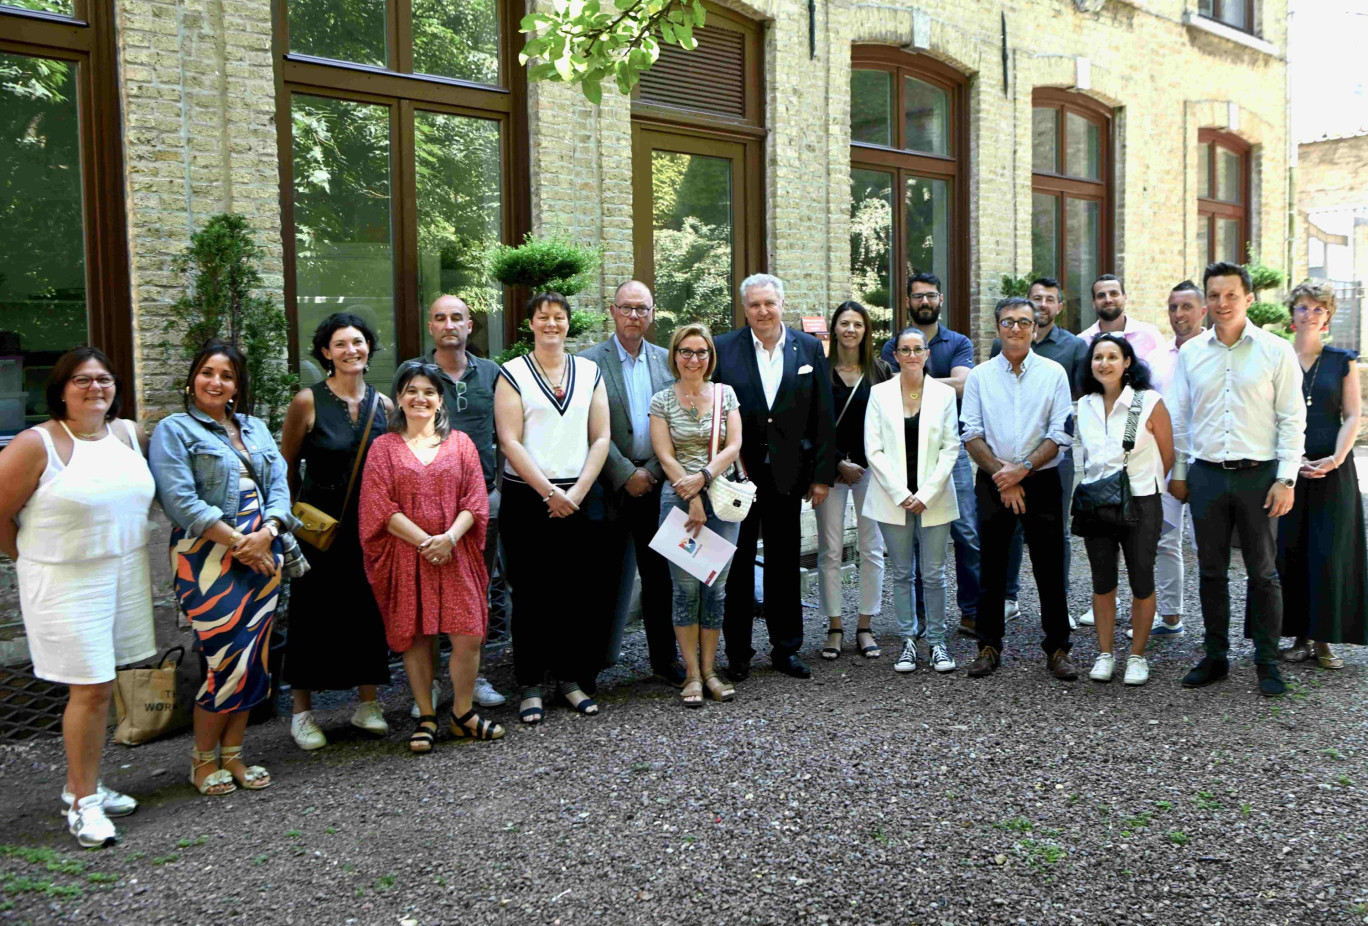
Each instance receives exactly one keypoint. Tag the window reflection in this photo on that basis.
(871, 107)
(457, 38)
(927, 204)
(692, 234)
(926, 114)
(352, 31)
(871, 246)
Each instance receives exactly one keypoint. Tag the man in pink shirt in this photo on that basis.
(1109, 302)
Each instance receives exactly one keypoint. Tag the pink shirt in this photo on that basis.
(1143, 337)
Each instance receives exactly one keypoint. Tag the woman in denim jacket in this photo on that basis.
(221, 481)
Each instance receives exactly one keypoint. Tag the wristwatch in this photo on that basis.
(1028, 466)
(1288, 482)
(272, 528)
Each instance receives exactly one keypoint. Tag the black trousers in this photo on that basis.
(1224, 501)
(775, 515)
(638, 519)
(1043, 525)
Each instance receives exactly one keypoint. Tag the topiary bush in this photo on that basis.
(552, 263)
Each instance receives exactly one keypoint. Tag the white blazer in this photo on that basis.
(938, 447)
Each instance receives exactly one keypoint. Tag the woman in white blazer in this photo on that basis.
(912, 443)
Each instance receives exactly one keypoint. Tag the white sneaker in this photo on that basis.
(907, 660)
(1161, 629)
(1010, 610)
(486, 696)
(305, 732)
(1087, 620)
(370, 718)
(86, 821)
(1137, 670)
(114, 803)
(436, 696)
(1103, 668)
(941, 659)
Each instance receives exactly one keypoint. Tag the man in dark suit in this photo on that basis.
(634, 369)
(788, 447)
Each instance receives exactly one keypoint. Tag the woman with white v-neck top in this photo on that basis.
(551, 412)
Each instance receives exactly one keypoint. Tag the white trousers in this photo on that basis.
(1168, 562)
(830, 545)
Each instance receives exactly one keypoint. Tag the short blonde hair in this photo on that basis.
(692, 330)
(1320, 292)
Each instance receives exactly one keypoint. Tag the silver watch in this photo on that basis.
(1287, 481)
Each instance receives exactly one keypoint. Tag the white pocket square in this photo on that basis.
(805, 368)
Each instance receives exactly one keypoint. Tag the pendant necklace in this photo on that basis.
(1309, 381)
(559, 386)
(693, 408)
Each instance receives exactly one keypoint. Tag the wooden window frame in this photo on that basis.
(87, 39)
(713, 135)
(404, 92)
(1060, 185)
(903, 163)
(1219, 7)
(1209, 209)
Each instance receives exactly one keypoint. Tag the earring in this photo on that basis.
(189, 391)
(367, 368)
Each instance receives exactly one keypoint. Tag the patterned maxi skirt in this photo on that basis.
(231, 609)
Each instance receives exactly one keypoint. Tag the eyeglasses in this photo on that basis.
(635, 311)
(923, 297)
(85, 382)
(909, 351)
(688, 354)
(1010, 323)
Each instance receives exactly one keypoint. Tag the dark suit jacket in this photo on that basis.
(618, 468)
(798, 435)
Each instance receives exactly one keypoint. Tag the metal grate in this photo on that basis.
(30, 708)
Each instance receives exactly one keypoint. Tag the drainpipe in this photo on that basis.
(1290, 251)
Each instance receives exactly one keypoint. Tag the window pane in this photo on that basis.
(1228, 244)
(1045, 140)
(1084, 142)
(1204, 170)
(1203, 240)
(1233, 13)
(1082, 259)
(926, 116)
(692, 229)
(460, 216)
(871, 246)
(344, 253)
(927, 208)
(458, 40)
(1044, 234)
(871, 107)
(1206, 7)
(1229, 186)
(42, 251)
(353, 31)
(59, 7)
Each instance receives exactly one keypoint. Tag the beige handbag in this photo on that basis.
(317, 528)
(731, 501)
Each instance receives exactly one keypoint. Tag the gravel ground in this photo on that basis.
(857, 797)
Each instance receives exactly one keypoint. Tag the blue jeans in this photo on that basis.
(964, 531)
(900, 559)
(1066, 478)
(694, 602)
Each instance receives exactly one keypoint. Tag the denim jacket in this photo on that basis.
(197, 472)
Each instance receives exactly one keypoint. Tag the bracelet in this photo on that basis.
(448, 536)
(238, 537)
(550, 494)
(707, 477)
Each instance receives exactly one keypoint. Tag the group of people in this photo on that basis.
(402, 502)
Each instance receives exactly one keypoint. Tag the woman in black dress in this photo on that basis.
(1322, 556)
(336, 639)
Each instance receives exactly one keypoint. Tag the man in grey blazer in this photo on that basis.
(634, 370)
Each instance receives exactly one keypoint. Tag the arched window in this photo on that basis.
(908, 195)
(403, 141)
(1071, 206)
(1223, 192)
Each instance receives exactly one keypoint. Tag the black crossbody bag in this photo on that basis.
(1100, 507)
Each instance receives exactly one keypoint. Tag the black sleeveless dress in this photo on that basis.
(336, 639)
(1322, 553)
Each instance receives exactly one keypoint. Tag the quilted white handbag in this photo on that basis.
(731, 499)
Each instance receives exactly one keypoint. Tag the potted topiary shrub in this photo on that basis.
(550, 263)
(1271, 316)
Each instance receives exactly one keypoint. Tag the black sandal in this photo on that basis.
(587, 705)
(531, 715)
(872, 651)
(422, 738)
(484, 729)
(833, 652)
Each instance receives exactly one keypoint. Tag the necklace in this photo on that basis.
(693, 408)
(557, 387)
(1309, 380)
(915, 395)
(91, 435)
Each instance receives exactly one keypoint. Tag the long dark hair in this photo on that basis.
(241, 403)
(870, 365)
(1137, 375)
(65, 368)
(433, 374)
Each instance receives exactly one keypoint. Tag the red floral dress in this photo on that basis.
(416, 597)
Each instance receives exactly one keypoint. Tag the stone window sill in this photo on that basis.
(1212, 27)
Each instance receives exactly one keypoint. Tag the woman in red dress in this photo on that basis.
(423, 515)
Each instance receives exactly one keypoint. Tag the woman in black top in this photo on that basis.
(336, 639)
(854, 369)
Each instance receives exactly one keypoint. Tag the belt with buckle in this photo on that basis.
(1234, 464)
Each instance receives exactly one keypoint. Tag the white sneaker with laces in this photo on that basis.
(307, 735)
(486, 695)
(370, 718)
(86, 821)
(1010, 610)
(1103, 668)
(115, 804)
(436, 696)
(907, 660)
(941, 659)
(1087, 620)
(1137, 670)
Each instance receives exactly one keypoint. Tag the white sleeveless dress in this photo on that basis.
(85, 587)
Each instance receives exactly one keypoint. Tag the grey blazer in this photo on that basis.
(619, 466)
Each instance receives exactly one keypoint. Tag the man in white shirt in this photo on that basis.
(1109, 302)
(1239, 426)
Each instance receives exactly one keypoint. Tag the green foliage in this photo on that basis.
(221, 302)
(1017, 286)
(1265, 314)
(553, 263)
(586, 42)
(1263, 276)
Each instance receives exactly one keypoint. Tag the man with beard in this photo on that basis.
(1071, 352)
(950, 359)
(1109, 302)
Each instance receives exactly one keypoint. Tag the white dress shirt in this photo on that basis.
(1014, 413)
(771, 364)
(1161, 364)
(1242, 402)
(1144, 338)
(1100, 436)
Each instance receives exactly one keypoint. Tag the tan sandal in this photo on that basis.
(692, 692)
(253, 777)
(1328, 659)
(719, 689)
(218, 782)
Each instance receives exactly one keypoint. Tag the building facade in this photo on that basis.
(1332, 238)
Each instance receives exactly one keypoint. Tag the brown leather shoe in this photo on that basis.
(986, 663)
(968, 627)
(1061, 668)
